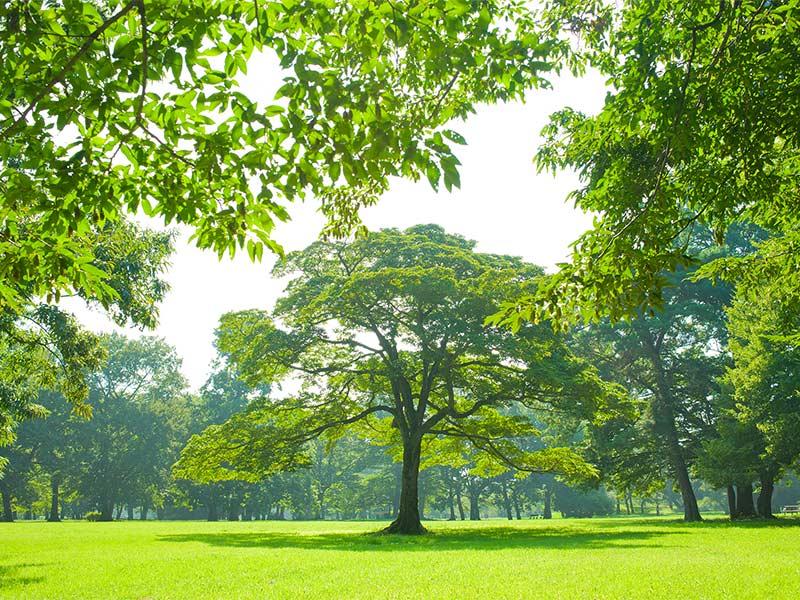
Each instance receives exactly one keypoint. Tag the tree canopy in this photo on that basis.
(115, 106)
(389, 331)
(699, 130)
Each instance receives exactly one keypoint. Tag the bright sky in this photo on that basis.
(502, 204)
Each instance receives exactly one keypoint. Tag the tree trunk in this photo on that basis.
(691, 512)
(548, 504)
(119, 511)
(408, 521)
(106, 510)
(507, 502)
(744, 500)
(765, 496)
(233, 511)
(8, 511)
(515, 500)
(731, 502)
(145, 510)
(54, 517)
(664, 416)
(129, 510)
(460, 504)
(451, 501)
(213, 515)
(619, 508)
(474, 507)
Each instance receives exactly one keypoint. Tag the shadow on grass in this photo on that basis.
(10, 576)
(482, 538)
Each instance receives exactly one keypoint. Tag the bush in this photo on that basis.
(93, 515)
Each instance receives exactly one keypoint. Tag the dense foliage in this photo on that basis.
(699, 131)
(110, 107)
(388, 331)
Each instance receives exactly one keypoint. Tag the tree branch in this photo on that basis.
(59, 77)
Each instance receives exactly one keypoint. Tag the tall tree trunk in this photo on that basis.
(119, 508)
(213, 515)
(54, 517)
(664, 415)
(129, 507)
(106, 509)
(548, 503)
(691, 511)
(451, 500)
(460, 503)
(764, 503)
(8, 510)
(474, 503)
(145, 510)
(744, 500)
(507, 502)
(731, 502)
(619, 508)
(408, 521)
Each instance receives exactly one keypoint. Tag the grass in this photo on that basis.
(569, 559)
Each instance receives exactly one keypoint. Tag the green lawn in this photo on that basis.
(593, 558)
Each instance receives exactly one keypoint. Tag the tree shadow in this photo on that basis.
(478, 538)
(11, 576)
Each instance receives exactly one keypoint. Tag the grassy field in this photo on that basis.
(595, 558)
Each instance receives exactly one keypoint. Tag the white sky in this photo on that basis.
(502, 204)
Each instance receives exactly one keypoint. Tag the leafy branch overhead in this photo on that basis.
(699, 131)
(118, 106)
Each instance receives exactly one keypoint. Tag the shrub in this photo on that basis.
(93, 515)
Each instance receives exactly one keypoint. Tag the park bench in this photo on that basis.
(790, 509)
(536, 516)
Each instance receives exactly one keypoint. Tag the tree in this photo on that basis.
(115, 106)
(700, 130)
(129, 445)
(766, 379)
(389, 330)
(42, 347)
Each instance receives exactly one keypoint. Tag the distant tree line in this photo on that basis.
(689, 406)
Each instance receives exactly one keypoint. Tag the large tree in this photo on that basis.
(138, 402)
(114, 106)
(389, 330)
(766, 381)
(43, 347)
(701, 128)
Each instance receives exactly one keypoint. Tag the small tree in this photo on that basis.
(389, 330)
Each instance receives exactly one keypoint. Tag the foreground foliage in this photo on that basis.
(700, 128)
(115, 106)
(580, 559)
